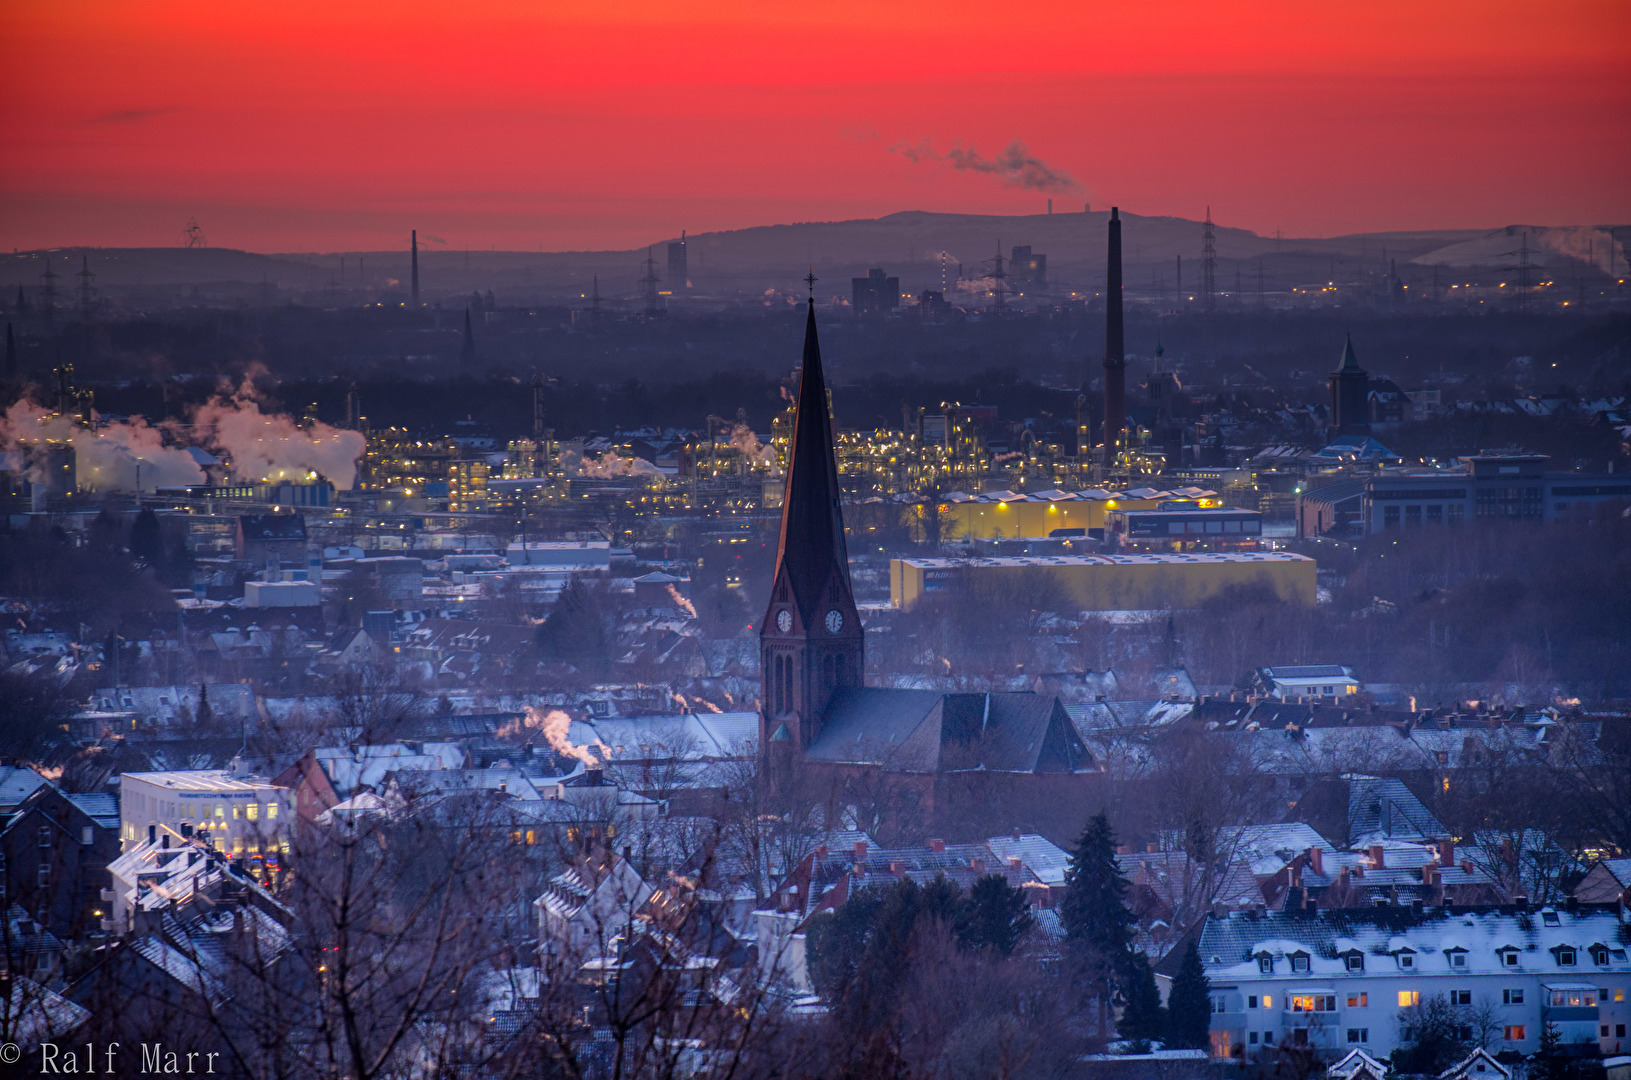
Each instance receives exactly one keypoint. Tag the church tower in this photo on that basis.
(1350, 389)
(810, 640)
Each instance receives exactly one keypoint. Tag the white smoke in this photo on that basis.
(125, 455)
(681, 602)
(272, 447)
(556, 727)
(607, 466)
(749, 446)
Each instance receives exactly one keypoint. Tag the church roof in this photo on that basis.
(812, 530)
(1350, 362)
(927, 731)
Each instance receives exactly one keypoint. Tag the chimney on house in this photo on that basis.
(1316, 860)
(937, 846)
(1446, 851)
(859, 850)
(978, 866)
(1378, 856)
(152, 833)
(897, 868)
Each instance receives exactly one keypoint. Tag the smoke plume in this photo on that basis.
(1016, 166)
(556, 727)
(125, 455)
(272, 447)
(749, 446)
(607, 466)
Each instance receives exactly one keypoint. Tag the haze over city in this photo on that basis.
(884, 542)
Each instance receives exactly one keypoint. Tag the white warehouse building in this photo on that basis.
(1345, 979)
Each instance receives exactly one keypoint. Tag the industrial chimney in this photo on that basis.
(415, 243)
(1115, 351)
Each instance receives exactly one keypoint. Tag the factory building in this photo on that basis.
(997, 515)
(1177, 526)
(1493, 485)
(1112, 582)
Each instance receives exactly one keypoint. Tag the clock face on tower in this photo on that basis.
(784, 620)
(835, 621)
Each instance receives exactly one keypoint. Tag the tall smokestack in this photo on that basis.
(416, 268)
(1115, 352)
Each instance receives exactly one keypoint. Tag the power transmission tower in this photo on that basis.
(87, 294)
(192, 235)
(648, 284)
(1209, 263)
(594, 302)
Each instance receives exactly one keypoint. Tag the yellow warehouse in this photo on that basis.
(1114, 582)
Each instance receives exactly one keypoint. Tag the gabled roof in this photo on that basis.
(925, 731)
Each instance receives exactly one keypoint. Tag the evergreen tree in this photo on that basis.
(1143, 1020)
(1549, 1063)
(1189, 1004)
(146, 541)
(994, 916)
(206, 715)
(1094, 908)
(1098, 926)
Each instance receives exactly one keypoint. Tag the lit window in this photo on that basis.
(1358, 1001)
(1409, 999)
(237, 811)
(271, 809)
(253, 811)
(220, 810)
(1268, 1001)
(1514, 1033)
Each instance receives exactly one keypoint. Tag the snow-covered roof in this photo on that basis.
(1228, 946)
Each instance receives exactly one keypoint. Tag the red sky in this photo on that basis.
(297, 125)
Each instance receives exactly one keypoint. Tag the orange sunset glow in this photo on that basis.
(326, 126)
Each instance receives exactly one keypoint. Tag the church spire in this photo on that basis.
(812, 532)
(811, 634)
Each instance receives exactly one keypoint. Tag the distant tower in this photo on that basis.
(1350, 389)
(192, 235)
(467, 351)
(538, 424)
(414, 242)
(87, 294)
(1209, 262)
(594, 302)
(679, 272)
(1115, 352)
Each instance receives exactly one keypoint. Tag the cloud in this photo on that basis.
(1016, 166)
(131, 116)
(433, 239)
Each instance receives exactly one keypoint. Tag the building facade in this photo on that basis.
(1339, 980)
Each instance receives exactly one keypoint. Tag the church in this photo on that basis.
(920, 753)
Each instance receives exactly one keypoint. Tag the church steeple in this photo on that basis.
(811, 637)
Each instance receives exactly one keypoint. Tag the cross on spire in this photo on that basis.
(810, 279)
